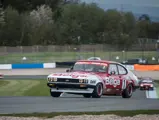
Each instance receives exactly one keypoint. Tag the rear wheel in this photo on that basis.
(98, 91)
(127, 93)
(55, 94)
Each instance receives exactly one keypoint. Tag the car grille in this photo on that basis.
(68, 80)
(70, 86)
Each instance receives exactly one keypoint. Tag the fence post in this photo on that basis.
(21, 49)
(5, 49)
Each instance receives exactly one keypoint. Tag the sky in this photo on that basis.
(152, 3)
(150, 7)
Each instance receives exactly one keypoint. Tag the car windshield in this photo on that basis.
(90, 67)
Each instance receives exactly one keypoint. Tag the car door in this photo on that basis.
(122, 71)
(113, 81)
(123, 75)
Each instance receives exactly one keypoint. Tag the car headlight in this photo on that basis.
(52, 79)
(83, 81)
(48, 79)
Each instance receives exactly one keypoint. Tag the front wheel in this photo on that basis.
(127, 93)
(55, 94)
(98, 91)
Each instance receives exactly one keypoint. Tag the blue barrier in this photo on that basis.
(27, 66)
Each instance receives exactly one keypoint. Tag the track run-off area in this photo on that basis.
(21, 99)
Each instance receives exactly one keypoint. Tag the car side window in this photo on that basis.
(122, 70)
(112, 67)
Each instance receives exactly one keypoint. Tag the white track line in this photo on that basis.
(151, 93)
(147, 94)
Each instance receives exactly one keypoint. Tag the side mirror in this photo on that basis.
(69, 70)
(112, 73)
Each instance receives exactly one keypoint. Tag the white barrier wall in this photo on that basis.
(42, 65)
(27, 66)
(5, 66)
(49, 65)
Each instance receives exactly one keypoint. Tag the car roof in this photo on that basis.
(98, 61)
(147, 80)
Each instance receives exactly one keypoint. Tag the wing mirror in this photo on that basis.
(112, 73)
(69, 70)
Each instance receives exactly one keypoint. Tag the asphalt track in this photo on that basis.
(72, 103)
(75, 103)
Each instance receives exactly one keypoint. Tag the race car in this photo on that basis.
(94, 78)
(1, 76)
(146, 84)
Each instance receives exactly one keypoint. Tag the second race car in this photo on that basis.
(146, 83)
(1, 76)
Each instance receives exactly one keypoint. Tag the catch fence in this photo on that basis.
(55, 53)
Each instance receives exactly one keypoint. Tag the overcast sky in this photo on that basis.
(151, 3)
(150, 7)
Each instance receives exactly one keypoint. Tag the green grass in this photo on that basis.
(119, 113)
(29, 88)
(41, 57)
(23, 88)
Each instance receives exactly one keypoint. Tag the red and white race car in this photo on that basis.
(1, 76)
(146, 83)
(94, 78)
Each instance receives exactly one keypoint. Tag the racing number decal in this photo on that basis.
(112, 81)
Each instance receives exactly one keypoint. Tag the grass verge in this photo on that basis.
(23, 88)
(30, 88)
(119, 113)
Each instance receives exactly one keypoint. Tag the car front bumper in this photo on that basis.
(146, 88)
(71, 88)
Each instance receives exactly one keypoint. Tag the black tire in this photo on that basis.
(55, 94)
(127, 93)
(98, 91)
(87, 95)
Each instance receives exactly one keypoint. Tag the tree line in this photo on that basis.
(59, 22)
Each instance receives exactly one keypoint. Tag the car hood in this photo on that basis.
(73, 75)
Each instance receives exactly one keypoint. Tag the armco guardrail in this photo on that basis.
(28, 66)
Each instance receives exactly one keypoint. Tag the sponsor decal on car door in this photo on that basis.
(113, 82)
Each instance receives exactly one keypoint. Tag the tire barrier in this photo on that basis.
(139, 67)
